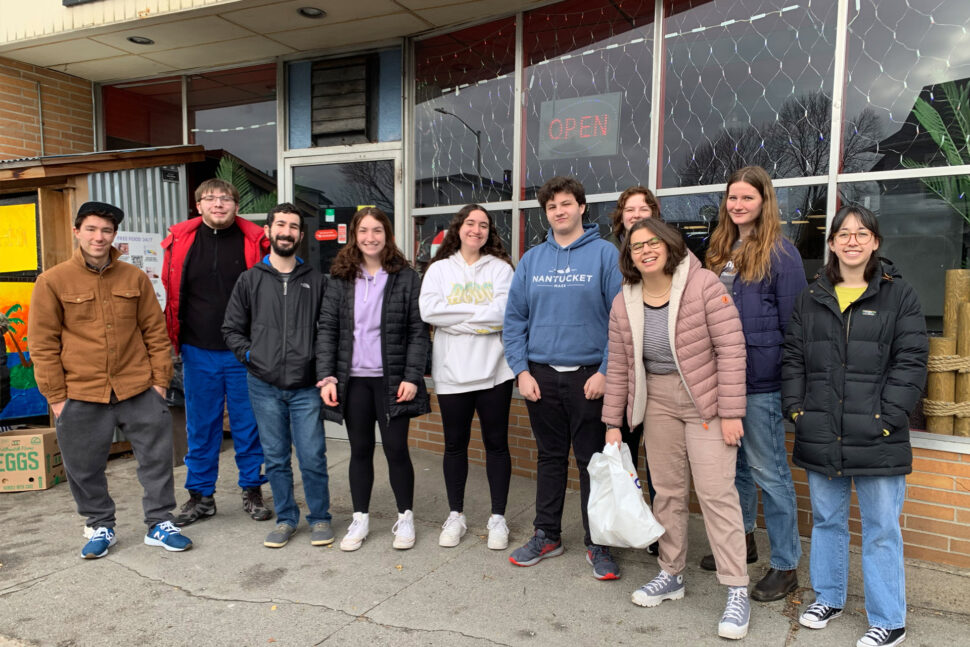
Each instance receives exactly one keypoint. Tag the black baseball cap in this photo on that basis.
(102, 209)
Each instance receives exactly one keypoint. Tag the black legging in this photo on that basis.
(366, 404)
(457, 410)
(634, 440)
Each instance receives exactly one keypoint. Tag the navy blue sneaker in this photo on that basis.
(601, 559)
(536, 550)
(167, 535)
(102, 539)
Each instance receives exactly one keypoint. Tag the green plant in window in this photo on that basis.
(947, 122)
(251, 200)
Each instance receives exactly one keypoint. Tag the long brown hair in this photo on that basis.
(617, 216)
(670, 235)
(753, 259)
(347, 264)
(452, 243)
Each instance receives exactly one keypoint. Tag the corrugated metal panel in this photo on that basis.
(153, 199)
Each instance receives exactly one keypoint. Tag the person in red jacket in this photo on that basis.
(203, 258)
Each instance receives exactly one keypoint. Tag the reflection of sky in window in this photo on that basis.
(247, 131)
(350, 184)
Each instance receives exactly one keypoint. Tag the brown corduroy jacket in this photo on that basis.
(91, 333)
(708, 348)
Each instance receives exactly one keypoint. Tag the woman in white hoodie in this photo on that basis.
(463, 296)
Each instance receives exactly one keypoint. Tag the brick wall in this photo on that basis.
(67, 110)
(936, 514)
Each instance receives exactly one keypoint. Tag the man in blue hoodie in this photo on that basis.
(555, 335)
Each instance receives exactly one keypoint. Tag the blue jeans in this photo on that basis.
(285, 417)
(747, 493)
(880, 503)
(764, 449)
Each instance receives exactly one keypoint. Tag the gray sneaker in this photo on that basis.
(321, 534)
(663, 587)
(737, 612)
(279, 537)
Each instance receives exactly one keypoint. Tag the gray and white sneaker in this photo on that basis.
(737, 613)
(663, 587)
(321, 534)
(280, 536)
(817, 615)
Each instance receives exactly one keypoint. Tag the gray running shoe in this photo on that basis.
(321, 534)
(279, 537)
(737, 613)
(663, 587)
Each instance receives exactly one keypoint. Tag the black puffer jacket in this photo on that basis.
(404, 342)
(854, 375)
(272, 327)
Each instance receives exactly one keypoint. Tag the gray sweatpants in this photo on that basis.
(84, 433)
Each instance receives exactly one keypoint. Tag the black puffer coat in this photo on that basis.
(404, 342)
(854, 375)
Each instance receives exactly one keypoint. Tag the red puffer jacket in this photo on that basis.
(177, 245)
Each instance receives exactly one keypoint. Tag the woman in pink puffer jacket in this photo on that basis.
(677, 363)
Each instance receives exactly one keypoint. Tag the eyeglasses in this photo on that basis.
(653, 243)
(209, 199)
(862, 237)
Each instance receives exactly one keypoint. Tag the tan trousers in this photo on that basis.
(678, 445)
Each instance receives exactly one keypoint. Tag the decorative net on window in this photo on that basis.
(429, 232)
(587, 89)
(537, 225)
(907, 94)
(746, 82)
(463, 115)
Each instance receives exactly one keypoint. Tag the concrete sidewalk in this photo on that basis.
(230, 590)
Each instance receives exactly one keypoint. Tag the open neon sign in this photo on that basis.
(580, 127)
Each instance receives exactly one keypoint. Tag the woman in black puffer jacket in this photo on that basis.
(854, 367)
(372, 349)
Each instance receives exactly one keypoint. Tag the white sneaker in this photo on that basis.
(452, 530)
(404, 530)
(498, 532)
(357, 532)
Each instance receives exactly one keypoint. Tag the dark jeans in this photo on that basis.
(457, 410)
(292, 417)
(84, 433)
(634, 440)
(561, 417)
(366, 404)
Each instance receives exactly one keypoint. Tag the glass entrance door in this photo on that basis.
(330, 192)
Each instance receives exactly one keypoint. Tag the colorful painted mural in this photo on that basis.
(19, 397)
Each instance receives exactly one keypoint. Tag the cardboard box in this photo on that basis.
(30, 459)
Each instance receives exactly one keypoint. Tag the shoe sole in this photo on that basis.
(448, 542)
(351, 547)
(555, 552)
(892, 644)
(275, 544)
(149, 541)
(498, 544)
(261, 517)
(181, 523)
(644, 600)
(111, 543)
(404, 544)
(732, 632)
(817, 624)
(322, 542)
(607, 576)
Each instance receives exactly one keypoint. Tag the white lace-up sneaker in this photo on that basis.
(404, 530)
(498, 532)
(357, 532)
(452, 530)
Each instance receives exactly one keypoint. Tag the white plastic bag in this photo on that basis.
(618, 515)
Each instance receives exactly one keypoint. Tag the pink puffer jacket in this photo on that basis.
(708, 347)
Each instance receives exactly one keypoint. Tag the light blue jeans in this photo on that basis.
(747, 493)
(767, 457)
(880, 503)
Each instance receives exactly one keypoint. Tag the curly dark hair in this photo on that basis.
(560, 184)
(616, 218)
(452, 243)
(346, 265)
(670, 235)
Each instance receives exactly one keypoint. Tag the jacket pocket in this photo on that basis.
(78, 307)
(125, 302)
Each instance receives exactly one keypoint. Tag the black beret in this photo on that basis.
(102, 209)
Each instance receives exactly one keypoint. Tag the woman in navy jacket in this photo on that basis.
(763, 273)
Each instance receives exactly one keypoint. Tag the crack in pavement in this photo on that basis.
(17, 587)
(450, 632)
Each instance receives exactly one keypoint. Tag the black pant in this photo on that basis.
(366, 404)
(84, 433)
(634, 440)
(561, 417)
(457, 410)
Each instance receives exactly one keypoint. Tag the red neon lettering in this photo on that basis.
(601, 126)
(557, 123)
(584, 126)
(570, 126)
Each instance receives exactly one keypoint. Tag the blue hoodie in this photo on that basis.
(558, 310)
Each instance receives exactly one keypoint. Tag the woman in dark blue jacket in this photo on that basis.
(763, 273)
(854, 367)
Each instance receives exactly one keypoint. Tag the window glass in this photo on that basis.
(537, 225)
(463, 115)
(587, 87)
(746, 82)
(142, 114)
(429, 232)
(907, 80)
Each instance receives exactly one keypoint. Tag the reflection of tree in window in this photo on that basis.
(367, 183)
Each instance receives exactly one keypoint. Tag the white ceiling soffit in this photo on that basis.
(242, 32)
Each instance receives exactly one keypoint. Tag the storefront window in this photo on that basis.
(464, 90)
(925, 225)
(142, 114)
(746, 82)
(429, 233)
(587, 87)
(537, 225)
(907, 80)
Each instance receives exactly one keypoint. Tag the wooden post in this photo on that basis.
(940, 386)
(956, 290)
(961, 427)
